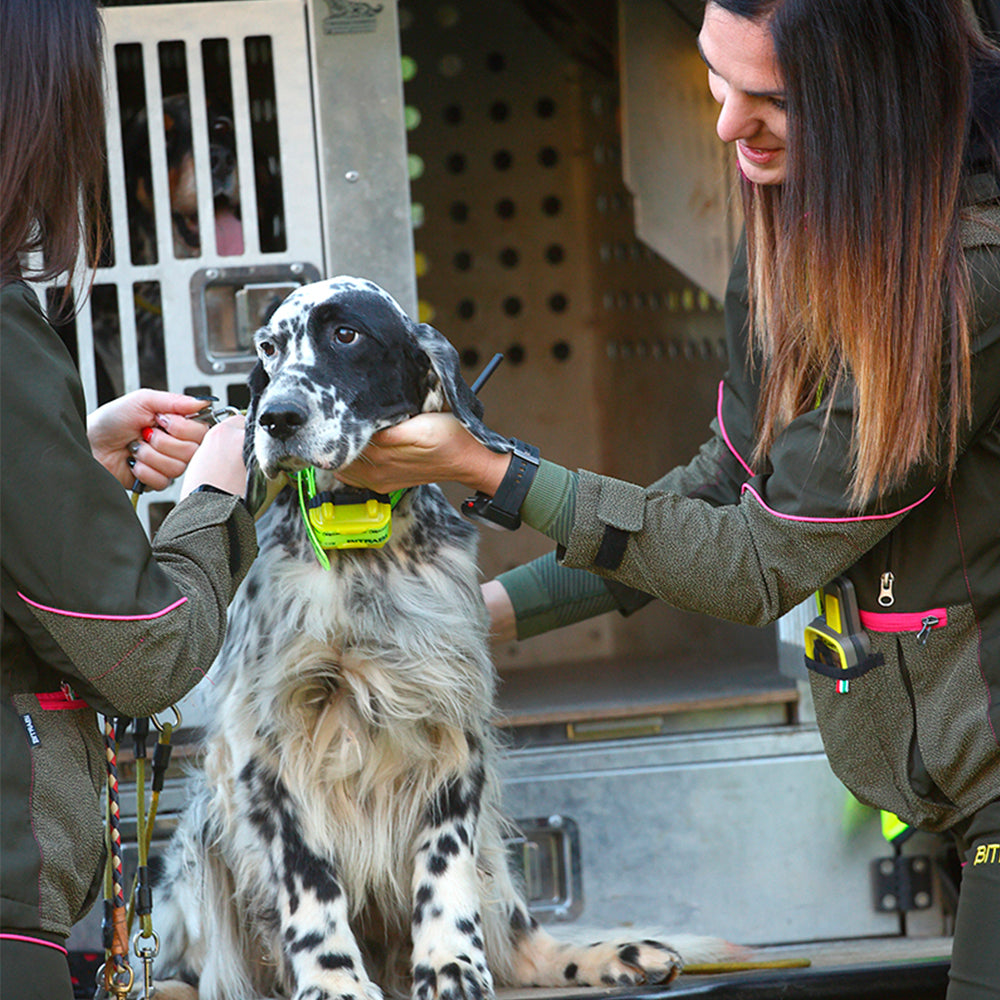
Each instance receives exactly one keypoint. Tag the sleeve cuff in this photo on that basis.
(550, 504)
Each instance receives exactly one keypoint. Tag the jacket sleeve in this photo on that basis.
(134, 626)
(548, 595)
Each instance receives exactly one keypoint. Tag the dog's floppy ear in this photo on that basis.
(256, 483)
(457, 394)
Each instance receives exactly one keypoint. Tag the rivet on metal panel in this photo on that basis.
(352, 176)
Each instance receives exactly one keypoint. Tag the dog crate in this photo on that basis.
(540, 179)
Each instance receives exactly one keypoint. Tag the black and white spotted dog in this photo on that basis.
(346, 830)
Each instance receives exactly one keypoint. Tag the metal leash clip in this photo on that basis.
(213, 414)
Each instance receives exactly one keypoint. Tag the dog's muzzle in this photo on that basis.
(283, 419)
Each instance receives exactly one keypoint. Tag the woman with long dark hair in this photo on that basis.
(857, 438)
(94, 617)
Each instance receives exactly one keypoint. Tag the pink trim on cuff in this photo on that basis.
(110, 618)
(31, 940)
(835, 520)
(725, 436)
(908, 621)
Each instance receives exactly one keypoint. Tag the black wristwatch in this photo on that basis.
(503, 509)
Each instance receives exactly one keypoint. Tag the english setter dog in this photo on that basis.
(345, 834)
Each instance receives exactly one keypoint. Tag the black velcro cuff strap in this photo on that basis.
(612, 549)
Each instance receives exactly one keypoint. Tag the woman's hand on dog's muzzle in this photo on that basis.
(427, 448)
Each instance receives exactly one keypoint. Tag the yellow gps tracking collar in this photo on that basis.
(345, 519)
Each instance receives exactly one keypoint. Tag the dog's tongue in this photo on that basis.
(228, 233)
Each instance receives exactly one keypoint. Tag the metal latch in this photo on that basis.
(547, 856)
(229, 304)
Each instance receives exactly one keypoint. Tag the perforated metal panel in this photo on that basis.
(526, 244)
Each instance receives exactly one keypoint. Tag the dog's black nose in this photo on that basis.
(282, 420)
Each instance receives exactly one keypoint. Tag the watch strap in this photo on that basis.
(503, 508)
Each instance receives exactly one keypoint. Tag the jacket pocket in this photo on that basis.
(951, 699)
(912, 736)
(67, 763)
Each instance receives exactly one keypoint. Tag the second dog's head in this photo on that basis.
(338, 361)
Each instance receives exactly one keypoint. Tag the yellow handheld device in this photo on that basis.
(836, 644)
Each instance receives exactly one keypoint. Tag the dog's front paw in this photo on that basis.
(631, 964)
(354, 990)
(459, 979)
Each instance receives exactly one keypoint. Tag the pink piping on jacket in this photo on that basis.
(32, 940)
(795, 517)
(911, 621)
(725, 436)
(110, 618)
(747, 488)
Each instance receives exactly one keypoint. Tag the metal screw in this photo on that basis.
(352, 176)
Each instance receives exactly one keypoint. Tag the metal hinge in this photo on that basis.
(902, 884)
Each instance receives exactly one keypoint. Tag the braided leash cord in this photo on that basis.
(117, 973)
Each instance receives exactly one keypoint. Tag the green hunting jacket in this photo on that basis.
(725, 536)
(95, 619)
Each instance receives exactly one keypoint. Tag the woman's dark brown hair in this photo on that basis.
(51, 136)
(857, 268)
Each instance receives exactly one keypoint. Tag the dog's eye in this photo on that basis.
(266, 348)
(345, 335)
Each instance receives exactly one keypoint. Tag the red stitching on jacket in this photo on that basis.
(113, 668)
(975, 614)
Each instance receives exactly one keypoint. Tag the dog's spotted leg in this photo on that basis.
(541, 960)
(449, 960)
(317, 945)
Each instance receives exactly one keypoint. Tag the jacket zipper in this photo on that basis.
(926, 624)
(886, 597)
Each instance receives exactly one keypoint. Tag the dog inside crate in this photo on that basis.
(186, 228)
